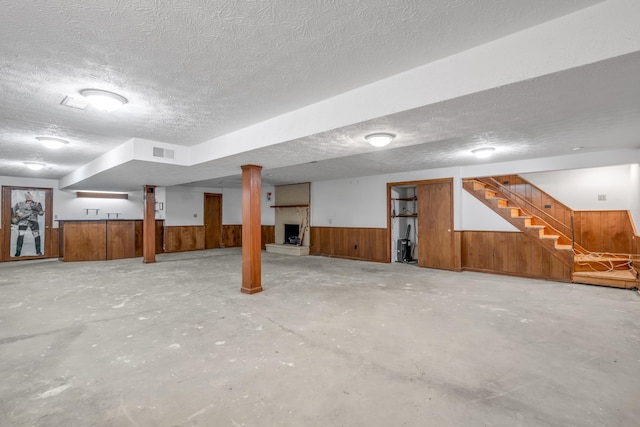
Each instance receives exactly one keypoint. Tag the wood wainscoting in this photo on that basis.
(184, 238)
(510, 253)
(191, 238)
(268, 235)
(605, 231)
(368, 244)
(232, 235)
(54, 243)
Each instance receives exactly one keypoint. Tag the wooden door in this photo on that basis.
(436, 247)
(26, 222)
(212, 220)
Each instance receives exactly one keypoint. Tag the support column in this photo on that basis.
(251, 230)
(149, 225)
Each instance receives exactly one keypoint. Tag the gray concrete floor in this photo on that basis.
(329, 342)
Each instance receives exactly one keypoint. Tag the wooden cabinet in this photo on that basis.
(100, 240)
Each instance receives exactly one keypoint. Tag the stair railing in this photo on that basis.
(569, 230)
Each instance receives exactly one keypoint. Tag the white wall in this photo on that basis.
(179, 203)
(362, 202)
(634, 190)
(185, 205)
(579, 188)
(67, 206)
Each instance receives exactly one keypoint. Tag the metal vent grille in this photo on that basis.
(164, 153)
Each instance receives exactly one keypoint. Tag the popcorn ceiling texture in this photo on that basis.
(200, 69)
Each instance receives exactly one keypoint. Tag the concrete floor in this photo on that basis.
(329, 342)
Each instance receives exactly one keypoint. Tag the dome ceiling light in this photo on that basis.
(380, 139)
(51, 142)
(103, 100)
(484, 152)
(34, 166)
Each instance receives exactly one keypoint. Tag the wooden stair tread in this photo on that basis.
(549, 236)
(539, 227)
(626, 279)
(564, 247)
(608, 258)
(619, 274)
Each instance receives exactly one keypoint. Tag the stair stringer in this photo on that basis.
(531, 225)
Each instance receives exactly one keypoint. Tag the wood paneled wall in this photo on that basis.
(184, 238)
(510, 253)
(369, 244)
(54, 243)
(268, 235)
(605, 231)
(188, 238)
(538, 198)
(232, 236)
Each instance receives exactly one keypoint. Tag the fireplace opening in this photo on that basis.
(291, 232)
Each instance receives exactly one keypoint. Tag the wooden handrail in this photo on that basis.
(501, 187)
(495, 185)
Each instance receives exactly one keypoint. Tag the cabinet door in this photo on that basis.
(435, 225)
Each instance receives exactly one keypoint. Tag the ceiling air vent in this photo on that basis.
(164, 153)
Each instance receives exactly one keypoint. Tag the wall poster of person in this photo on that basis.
(28, 221)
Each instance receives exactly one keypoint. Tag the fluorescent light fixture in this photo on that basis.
(484, 152)
(103, 100)
(51, 142)
(379, 139)
(102, 194)
(34, 166)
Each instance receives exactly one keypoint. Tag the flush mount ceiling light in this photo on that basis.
(51, 142)
(103, 100)
(483, 152)
(34, 166)
(379, 139)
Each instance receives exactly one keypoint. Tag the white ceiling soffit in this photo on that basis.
(195, 71)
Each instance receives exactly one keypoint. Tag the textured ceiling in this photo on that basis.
(194, 70)
(542, 117)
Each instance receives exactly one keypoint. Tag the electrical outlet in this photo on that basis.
(602, 197)
(195, 215)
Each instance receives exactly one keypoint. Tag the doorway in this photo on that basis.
(420, 223)
(404, 223)
(26, 221)
(435, 224)
(212, 220)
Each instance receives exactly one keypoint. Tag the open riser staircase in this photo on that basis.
(588, 267)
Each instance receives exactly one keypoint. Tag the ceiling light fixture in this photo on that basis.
(380, 139)
(51, 142)
(34, 166)
(103, 100)
(484, 152)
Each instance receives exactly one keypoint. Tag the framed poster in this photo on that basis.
(26, 222)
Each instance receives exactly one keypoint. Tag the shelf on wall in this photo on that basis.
(406, 199)
(290, 206)
(405, 216)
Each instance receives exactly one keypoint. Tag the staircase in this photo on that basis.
(615, 270)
